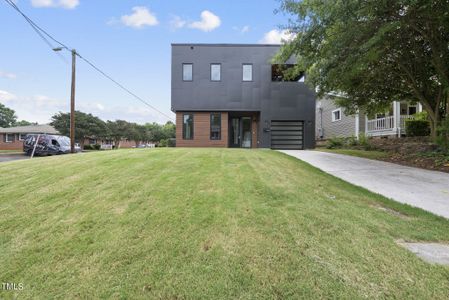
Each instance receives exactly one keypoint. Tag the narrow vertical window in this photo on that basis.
(215, 126)
(187, 127)
(215, 72)
(187, 72)
(247, 72)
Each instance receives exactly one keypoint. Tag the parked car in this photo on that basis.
(47, 144)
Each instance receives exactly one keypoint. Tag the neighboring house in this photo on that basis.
(12, 138)
(331, 121)
(231, 95)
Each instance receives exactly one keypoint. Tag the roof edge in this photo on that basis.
(225, 45)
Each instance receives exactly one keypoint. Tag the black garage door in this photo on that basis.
(287, 134)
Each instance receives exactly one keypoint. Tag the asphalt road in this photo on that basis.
(12, 157)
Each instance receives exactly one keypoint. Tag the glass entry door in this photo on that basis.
(240, 132)
(246, 132)
(234, 132)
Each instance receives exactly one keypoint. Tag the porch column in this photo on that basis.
(357, 123)
(419, 107)
(397, 117)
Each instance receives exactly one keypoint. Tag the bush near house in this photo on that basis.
(443, 136)
(417, 127)
(362, 143)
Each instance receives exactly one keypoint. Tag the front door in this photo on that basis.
(240, 132)
(234, 132)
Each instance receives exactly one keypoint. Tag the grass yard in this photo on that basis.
(205, 223)
(372, 154)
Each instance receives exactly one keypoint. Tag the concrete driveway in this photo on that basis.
(425, 189)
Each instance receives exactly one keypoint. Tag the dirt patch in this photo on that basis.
(431, 161)
(434, 253)
(419, 152)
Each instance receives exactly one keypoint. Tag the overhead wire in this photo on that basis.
(43, 34)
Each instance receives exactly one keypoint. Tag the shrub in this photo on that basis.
(351, 141)
(417, 127)
(335, 142)
(171, 142)
(421, 116)
(87, 147)
(364, 141)
(443, 135)
(163, 143)
(96, 147)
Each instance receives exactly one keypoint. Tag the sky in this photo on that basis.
(129, 40)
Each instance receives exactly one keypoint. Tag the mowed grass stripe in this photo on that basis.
(205, 223)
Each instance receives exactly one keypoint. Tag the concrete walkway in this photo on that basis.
(425, 189)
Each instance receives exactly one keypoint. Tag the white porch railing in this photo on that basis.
(387, 125)
(381, 124)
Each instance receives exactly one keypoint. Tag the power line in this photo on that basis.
(36, 29)
(42, 33)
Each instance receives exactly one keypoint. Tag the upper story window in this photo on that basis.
(187, 72)
(247, 72)
(281, 73)
(215, 126)
(336, 115)
(187, 126)
(215, 72)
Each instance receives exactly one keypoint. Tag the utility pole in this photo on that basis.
(72, 98)
(72, 104)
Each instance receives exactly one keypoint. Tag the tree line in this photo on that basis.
(8, 118)
(89, 126)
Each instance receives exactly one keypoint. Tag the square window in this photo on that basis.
(215, 72)
(247, 72)
(336, 115)
(187, 72)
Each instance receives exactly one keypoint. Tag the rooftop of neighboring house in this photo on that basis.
(42, 128)
(225, 45)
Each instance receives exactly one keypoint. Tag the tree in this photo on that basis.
(118, 130)
(373, 52)
(24, 123)
(161, 132)
(86, 126)
(7, 116)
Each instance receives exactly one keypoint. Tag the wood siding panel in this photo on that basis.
(342, 128)
(201, 131)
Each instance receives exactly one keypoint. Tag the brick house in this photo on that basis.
(12, 138)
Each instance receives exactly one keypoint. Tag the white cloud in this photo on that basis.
(243, 29)
(6, 97)
(40, 108)
(7, 75)
(208, 22)
(68, 4)
(277, 37)
(140, 17)
(177, 22)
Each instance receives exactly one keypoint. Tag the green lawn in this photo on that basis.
(359, 153)
(205, 223)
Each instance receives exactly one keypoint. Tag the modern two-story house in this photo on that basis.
(232, 95)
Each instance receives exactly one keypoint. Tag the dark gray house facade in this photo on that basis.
(232, 95)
